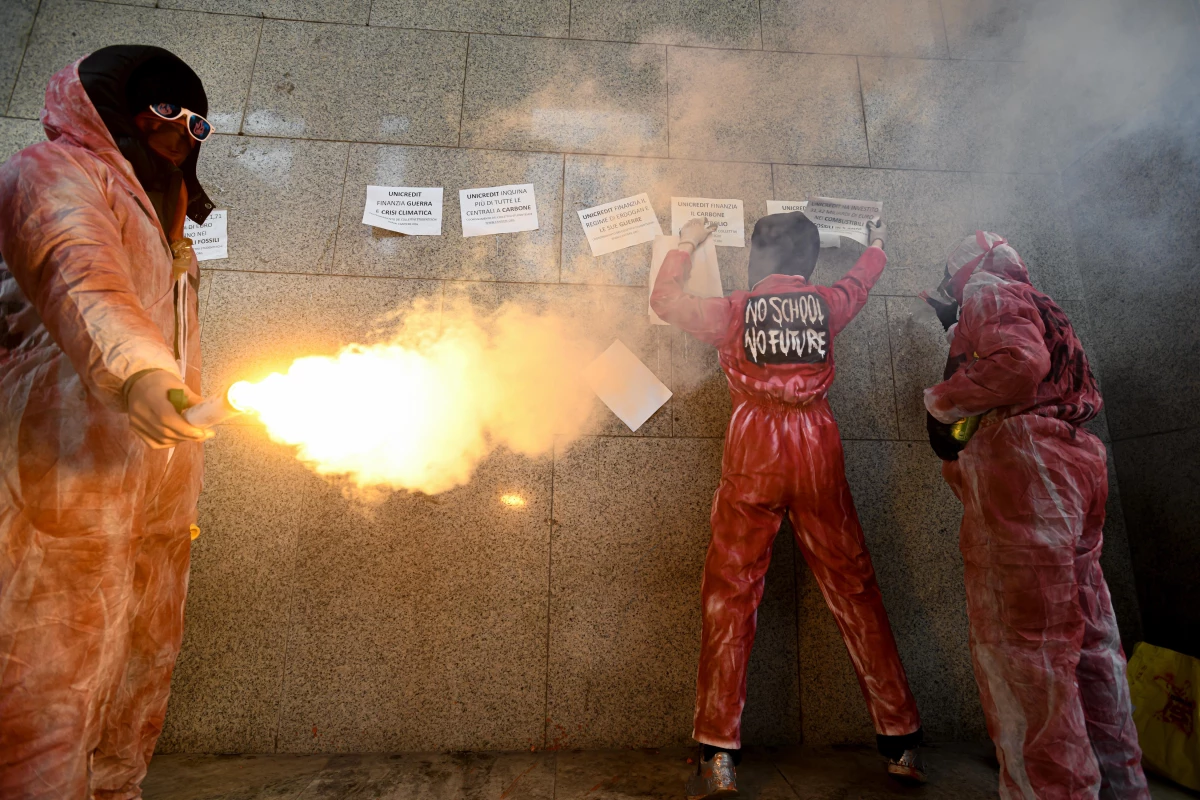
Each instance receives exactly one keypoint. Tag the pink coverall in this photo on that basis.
(1033, 485)
(783, 455)
(94, 525)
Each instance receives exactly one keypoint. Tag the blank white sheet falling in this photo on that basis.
(626, 385)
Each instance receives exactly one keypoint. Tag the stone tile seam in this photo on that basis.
(1152, 434)
(778, 769)
(141, 5)
(642, 287)
(202, 309)
(796, 631)
(762, 36)
(941, 13)
(887, 321)
(562, 211)
(338, 226)
(582, 154)
(21, 62)
(287, 630)
(862, 105)
(250, 83)
(316, 777)
(636, 437)
(550, 38)
(462, 106)
(549, 599)
(671, 405)
(667, 89)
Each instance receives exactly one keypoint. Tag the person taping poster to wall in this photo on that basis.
(783, 454)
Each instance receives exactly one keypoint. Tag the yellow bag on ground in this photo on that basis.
(1164, 686)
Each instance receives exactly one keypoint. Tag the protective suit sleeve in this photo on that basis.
(1006, 337)
(706, 318)
(850, 293)
(62, 244)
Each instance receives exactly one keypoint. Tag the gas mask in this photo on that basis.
(942, 302)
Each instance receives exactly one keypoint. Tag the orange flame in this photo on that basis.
(421, 410)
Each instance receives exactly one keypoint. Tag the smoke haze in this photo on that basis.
(1029, 88)
(421, 409)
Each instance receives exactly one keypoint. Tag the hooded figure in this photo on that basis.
(783, 244)
(1033, 485)
(98, 291)
(783, 455)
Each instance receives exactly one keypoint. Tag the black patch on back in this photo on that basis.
(790, 328)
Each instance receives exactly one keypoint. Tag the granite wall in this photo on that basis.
(455, 621)
(1136, 196)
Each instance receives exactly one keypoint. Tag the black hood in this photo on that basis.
(122, 81)
(783, 244)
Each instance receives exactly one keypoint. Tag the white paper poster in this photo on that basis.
(498, 209)
(731, 222)
(413, 210)
(622, 223)
(626, 385)
(828, 239)
(844, 217)
(210, 240)
(786, 206)
(705, 278)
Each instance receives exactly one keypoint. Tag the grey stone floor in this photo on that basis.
(957, 772)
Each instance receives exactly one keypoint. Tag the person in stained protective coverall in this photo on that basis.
(101, 473)
(1033, 484)
(783, 455)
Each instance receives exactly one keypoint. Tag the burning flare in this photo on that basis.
(421, 410)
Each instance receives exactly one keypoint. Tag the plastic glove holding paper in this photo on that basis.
(726, 214)
(705, 279)
(844, 217)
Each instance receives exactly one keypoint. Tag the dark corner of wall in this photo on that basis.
(1135, 199)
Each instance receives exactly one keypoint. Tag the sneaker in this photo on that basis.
(713, 779)
(909, 768)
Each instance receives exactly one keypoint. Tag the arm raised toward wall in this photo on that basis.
(1007, 337)
(706, 318)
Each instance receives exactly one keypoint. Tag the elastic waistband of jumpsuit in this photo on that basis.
(814, 405)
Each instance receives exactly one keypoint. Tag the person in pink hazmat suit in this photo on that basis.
(1033, 485)
(101, 472)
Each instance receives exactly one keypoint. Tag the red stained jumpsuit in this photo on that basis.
(94, 525)
(1033, 485)
(783, 454)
